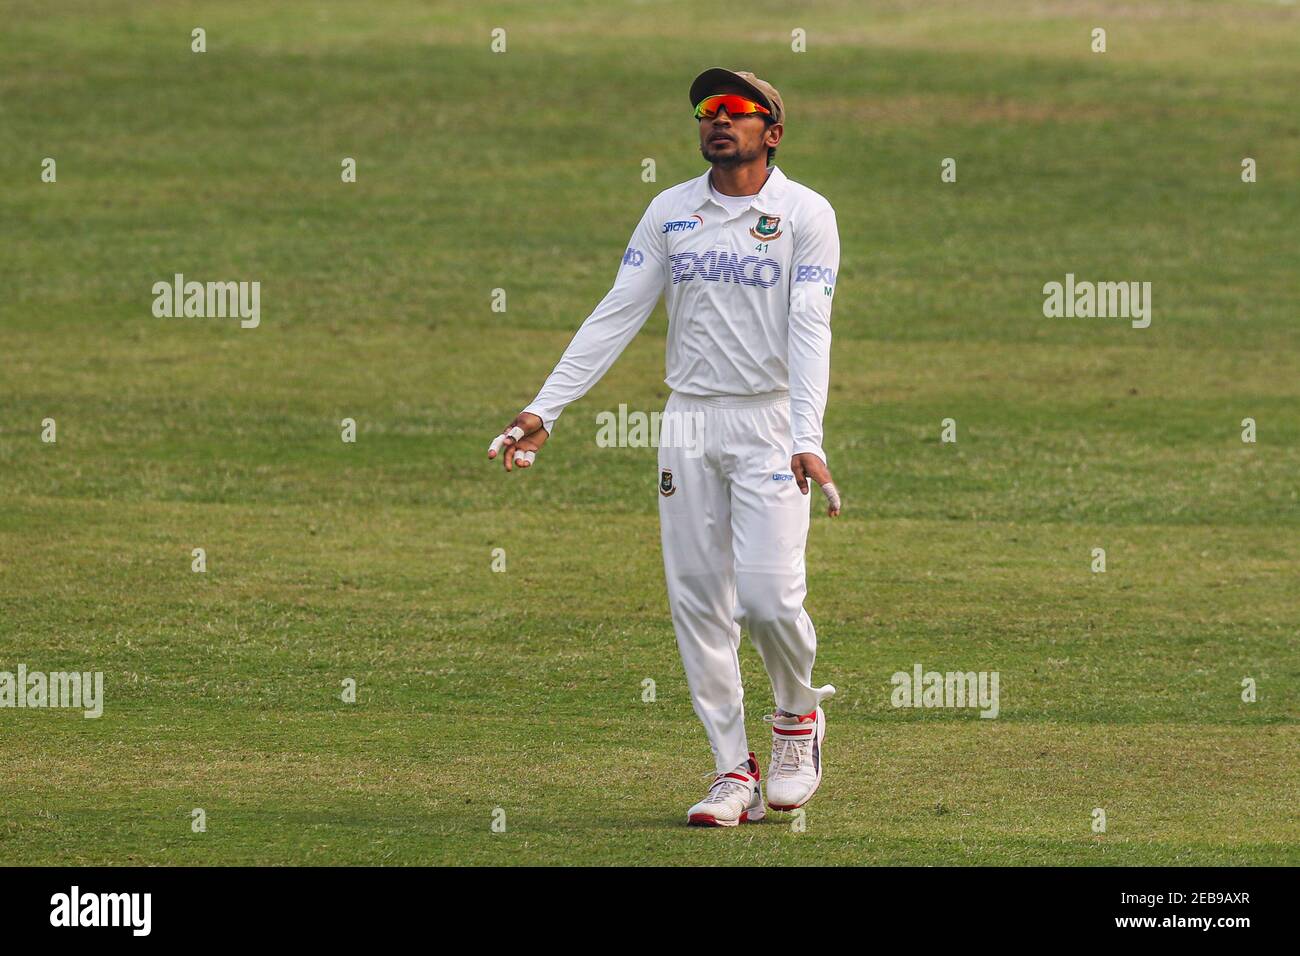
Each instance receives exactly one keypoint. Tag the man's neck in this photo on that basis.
(743, 180)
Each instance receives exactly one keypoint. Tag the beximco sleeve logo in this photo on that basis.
(67, 689)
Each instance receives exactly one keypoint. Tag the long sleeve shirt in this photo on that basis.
(748, 295)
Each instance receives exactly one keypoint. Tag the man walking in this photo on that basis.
(747, 261)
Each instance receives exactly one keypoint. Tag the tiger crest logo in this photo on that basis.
(767, 228)
(666, 487)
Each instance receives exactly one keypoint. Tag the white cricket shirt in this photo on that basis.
(749, 301)
(732, 204)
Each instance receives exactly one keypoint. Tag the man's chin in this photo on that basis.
(730, 157)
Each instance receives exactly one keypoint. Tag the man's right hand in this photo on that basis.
(519, 441)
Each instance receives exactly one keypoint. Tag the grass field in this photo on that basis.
(522, 690)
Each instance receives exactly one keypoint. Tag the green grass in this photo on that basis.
(522, 690)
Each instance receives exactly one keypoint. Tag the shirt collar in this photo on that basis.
(767, 201)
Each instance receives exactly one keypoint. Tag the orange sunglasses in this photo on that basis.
(707, 108)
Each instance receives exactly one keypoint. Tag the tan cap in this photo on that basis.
(709, 82)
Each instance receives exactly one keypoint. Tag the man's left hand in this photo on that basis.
(807, 465)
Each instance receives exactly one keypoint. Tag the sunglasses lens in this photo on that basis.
(735, 105)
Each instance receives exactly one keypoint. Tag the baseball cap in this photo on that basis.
(708, 82)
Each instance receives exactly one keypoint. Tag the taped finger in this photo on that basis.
(524, 459)
(513, 433)
(832, 496)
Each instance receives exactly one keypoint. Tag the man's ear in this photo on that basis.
(773, 135)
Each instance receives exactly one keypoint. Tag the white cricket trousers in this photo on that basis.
(734, 525)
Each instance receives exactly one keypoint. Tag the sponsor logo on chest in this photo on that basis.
(719, 265)
(684, 225)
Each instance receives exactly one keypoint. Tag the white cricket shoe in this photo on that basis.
(796, 769)
(735, 797)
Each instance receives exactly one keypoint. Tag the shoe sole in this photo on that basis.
(709, 820)
(821, 739)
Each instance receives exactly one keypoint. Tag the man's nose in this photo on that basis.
(722, 115)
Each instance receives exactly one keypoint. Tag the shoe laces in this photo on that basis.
(789, 754)
(724, 788)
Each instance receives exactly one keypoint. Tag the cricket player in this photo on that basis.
(747, 260)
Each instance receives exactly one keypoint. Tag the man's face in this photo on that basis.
(733, 141)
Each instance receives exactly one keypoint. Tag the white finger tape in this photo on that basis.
(514, 433)
(525, 457)
(832, 495)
